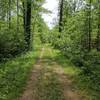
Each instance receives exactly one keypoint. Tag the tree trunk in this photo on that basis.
(89, 27)
(61, 16)
(17, 16)
(9, 14)
(98, 33)
(27, 22)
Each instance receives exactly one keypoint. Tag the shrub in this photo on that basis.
(11, 44)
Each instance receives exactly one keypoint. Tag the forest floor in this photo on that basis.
(49, 80)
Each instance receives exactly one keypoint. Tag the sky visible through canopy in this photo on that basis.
(51, 5)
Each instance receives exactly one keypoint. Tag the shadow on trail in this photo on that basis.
(59, 59)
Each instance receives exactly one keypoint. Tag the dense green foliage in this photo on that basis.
(16, 37)
(14, 74)
(16, 31)
(78, 36)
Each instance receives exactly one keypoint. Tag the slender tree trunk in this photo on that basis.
(17, 16)
(89, 27)
(61, 16)
(27, 22)
(9, 14)
(7, 18)
(98, 33)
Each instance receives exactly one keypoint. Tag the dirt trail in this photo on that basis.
(66, 82)
(31, 89)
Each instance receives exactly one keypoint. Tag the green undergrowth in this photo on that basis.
(55, 55)
(14, 73)
(66, 64)
(88, 86)
(90, 89)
